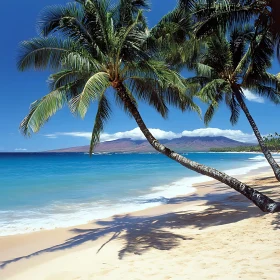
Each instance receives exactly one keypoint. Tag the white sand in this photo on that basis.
(214, 233)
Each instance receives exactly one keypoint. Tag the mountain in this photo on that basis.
(183, 144)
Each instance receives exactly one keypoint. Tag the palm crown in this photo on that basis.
(227, 66)
(93, 46)
(211, 15)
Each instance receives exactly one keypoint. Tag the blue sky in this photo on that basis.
(19, 89)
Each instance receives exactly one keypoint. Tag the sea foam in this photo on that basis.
(66, 215)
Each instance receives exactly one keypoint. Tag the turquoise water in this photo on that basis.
(57, 190)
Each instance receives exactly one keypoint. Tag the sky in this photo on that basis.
(20, 89)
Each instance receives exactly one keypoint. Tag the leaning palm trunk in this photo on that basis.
(275, 167)
(262, 201)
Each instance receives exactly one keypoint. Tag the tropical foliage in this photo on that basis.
(227, 67)
(213, 15)
(272, 141)
(92, 46)
(235, 57)
(245, 149)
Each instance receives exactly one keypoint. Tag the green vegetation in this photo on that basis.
(227, 67)
(102, 47)
(236, 149)
(271, 141)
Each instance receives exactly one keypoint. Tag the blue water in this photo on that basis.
(56, 190)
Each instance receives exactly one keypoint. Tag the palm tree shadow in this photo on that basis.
(140, 234)
(138, 242)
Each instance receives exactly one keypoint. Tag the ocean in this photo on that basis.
(45, 191)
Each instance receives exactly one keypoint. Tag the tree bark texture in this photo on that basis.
(262, 201)
(275, 167)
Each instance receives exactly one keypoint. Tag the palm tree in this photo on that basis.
(93, 48)
(211, 15)
(227, 67)
(227, 15)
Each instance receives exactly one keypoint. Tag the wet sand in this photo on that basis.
(213, 233)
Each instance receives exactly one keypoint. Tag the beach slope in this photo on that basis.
(214, 233)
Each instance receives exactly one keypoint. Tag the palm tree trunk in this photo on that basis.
(262, 201)
(275, 167)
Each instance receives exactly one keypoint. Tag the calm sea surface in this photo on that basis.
(43, 191)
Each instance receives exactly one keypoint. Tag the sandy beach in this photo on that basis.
(214, 233)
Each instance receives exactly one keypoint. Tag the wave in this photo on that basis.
(259, 158)
(66, 215)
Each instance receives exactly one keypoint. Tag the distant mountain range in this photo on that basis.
(183, 144)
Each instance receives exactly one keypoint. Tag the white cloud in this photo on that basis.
(136, 134)
(20, 150)
(252, 97)
(51, 136)
(72, 134)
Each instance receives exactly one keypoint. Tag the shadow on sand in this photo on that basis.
(140, 234)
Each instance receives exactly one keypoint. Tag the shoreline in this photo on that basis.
(158, 195)
(42, 248)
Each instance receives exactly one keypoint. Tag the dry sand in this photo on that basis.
(214, 233)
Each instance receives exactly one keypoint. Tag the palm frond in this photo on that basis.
(164, 75)
(185, 54)
(197, 80)
(234, 108)
(99, 9)
(125, 11)
(62, 78)
(214, 97)
(218, 49)
(149, 90)
(189, 5)
(93, 88)
(208, 116)
(42, 53)
(239, 39)
(154, 69)
(271, 93)
(133, 48)
(212, 91)
(242, 63)
(205, 70)
(220, 15)
(102, 116)
(81, 61)
(41, 110)
(173, 27)
(186, 102)
(69, 20)
(123, 37)
(261, 52)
